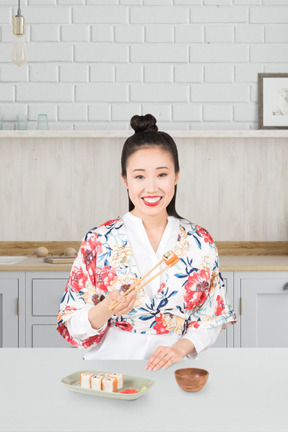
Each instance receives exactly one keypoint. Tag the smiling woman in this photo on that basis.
(178, 313)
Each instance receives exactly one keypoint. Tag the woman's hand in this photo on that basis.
(126, 302)
(100, 313)
(164, 356)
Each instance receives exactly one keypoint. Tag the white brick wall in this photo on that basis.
(94, 63)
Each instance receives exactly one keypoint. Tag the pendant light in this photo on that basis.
(19, 53)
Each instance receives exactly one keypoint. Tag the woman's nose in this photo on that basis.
(151, 185)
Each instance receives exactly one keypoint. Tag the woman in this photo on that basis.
(179, 313)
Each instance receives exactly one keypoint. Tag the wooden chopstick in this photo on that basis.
(153, 277)
(111, 307)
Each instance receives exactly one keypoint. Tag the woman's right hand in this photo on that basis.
(100, 313)
(126, 302)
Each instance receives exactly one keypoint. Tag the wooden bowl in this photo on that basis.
(191, 379)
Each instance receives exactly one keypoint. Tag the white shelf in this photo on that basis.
(126, 133)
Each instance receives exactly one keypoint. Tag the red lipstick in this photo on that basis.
(151, 201)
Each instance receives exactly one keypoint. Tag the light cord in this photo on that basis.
(19, 9)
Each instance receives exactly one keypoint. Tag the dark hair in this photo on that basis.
(147, 135)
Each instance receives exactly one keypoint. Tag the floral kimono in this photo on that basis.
(192, 293)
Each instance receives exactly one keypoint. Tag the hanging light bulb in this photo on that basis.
(19, 53)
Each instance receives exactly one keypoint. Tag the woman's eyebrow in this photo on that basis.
(142, 169)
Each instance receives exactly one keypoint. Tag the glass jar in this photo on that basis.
(42, 122)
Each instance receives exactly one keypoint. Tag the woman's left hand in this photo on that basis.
(163, 357)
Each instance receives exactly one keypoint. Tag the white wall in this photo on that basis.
(95, 63)
(57, 188)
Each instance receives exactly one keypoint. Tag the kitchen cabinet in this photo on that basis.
(12, 301)
(29, 303)
(40, 294)
(262, 309)
(44, 291)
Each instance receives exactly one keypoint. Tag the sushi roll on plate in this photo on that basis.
(85, 379)
(120, 379)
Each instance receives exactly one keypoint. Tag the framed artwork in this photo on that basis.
(273, 100)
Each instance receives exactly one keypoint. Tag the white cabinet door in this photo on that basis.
(225, 338)
(44, 291)
(11, 303)
(264, 309)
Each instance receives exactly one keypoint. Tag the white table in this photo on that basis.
(247, 390)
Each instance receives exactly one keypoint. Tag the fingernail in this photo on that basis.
(122, 299)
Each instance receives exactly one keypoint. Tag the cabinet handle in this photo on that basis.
(285, 286)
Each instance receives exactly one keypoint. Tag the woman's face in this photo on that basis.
(151, 181)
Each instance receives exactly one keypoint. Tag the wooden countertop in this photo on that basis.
(227, 263)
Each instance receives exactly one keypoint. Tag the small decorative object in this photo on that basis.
(21, 122)
(19, 52)
(41, 251)
(69, 251)
(273, 100)
(42, 122)
(191, 379)
(1, 121)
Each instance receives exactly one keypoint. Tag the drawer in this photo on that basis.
(46, 296)
(46, 336)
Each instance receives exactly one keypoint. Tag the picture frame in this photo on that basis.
(273, 100)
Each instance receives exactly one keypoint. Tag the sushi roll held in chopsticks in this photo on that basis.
(170, 258)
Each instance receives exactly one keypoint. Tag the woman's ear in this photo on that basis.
(124, 181)
(177, 177)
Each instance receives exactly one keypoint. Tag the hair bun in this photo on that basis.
(143, 123)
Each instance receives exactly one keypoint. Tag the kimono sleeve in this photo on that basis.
(81, 291)
(216, 309)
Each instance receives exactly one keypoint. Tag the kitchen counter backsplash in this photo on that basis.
(234, 256)
(27, 248)
(227, 263)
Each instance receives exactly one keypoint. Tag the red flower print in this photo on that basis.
(200, 282)
(109, 222)
(204, 233)
(162, 286)
(88, 256)
(104, 277)
(124, 325)
(77, 279)
(95, 299)
(93, 242)
(220, 305)
(62, 329)
(194, 324)
(92, 339)
(70, 308)
(160, 327)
